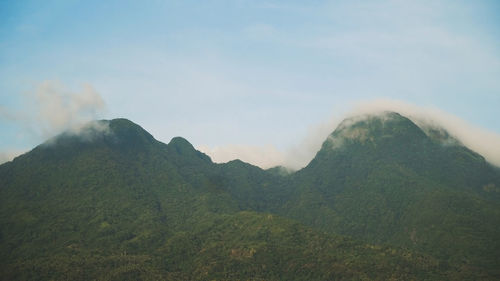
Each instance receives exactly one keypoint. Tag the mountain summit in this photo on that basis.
(383, 179)
(371, 141)
(388, 131)
(368, 129)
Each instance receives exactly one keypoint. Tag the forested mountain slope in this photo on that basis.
(113, 203)
(383, 179)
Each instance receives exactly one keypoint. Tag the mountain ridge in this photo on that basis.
(94, 128)
(121, 190)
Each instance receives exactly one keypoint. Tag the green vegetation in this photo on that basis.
(390, 183)
(381, 201)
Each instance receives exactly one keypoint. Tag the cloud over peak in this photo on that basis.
(51, 108)
(55, 108)
(482, 141)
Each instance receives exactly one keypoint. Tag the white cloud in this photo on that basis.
(480, 140)
(56, 109)
(50, 108)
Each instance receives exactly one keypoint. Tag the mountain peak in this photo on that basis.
(373, 128)
(118, 133)
(125, 129)
(120, 123)
(181, 147)
(181, 143)
(383, 118)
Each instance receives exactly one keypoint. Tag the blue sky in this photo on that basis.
(250, 75)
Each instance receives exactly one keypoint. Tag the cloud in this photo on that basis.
(478, 139)
(51, 108)
(299, 155)
(57, 109)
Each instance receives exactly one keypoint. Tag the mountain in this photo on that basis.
(383, 199)
(382, 179)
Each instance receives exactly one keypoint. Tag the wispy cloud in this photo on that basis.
(480, 140)
(56, 108)
(262, 69)
(51, 108)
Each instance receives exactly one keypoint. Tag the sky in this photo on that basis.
(264, 81)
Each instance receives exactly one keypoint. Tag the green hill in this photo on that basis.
(382, 179)
(113, 203)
